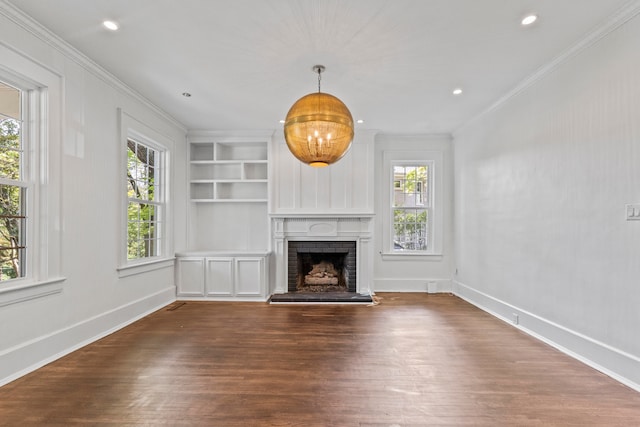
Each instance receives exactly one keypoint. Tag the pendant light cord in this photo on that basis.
(319, 78)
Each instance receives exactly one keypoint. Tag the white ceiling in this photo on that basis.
(393, 62)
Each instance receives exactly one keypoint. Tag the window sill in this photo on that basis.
(410, 256)
(145, 266)
(26, 291)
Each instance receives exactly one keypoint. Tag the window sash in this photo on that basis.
(411, 229)
(411, 210)
(144, 230)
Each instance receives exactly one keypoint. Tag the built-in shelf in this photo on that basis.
(229, 171)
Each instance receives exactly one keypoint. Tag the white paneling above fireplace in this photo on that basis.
(346, 187)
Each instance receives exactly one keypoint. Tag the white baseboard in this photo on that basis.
(431, 286)
(27, 357)
(621, 366)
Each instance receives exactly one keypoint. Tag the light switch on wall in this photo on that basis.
(633, 212)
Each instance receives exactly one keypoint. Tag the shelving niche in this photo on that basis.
(229, 171)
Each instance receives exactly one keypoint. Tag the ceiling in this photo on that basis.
(393, 62)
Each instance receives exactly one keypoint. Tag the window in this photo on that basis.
(145, 201)
(144, 166)
(30, 179)
(411, 206)
(13, 184)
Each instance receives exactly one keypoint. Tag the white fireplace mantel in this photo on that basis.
(328, 227)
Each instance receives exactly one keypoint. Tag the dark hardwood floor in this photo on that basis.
(412, 360)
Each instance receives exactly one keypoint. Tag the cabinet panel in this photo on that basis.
(190, 276)
(249, 276)
(222, 276)
(219, 276)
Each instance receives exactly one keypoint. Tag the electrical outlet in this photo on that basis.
(633, 212)
(516, 319)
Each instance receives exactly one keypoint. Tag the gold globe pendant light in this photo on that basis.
(318, 128)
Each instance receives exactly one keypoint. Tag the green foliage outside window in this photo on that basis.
(142, 209)
(11, 201)
(410, 207)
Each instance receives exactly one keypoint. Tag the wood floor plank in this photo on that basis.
(412, 360)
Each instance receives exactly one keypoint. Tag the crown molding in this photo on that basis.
(29, 24)
(615, 21)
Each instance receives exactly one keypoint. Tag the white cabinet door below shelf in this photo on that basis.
(249, 276)
(219, 276)
(190, 277)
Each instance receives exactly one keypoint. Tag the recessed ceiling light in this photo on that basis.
(360, 121)
(110, 25)
(529, 19)
(457, 91)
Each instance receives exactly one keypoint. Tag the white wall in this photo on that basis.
(541, 184)
(411, 273)
(85, 215)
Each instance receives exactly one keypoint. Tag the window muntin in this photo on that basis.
(13, 185)
(145, 204)
(411, 207)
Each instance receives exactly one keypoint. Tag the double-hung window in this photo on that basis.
(412, 206)
(146, 243)
(30, 179)
(14, 184)
(414, 201)
(145, 200)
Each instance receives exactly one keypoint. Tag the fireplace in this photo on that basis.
(301, 241)
(322, 266)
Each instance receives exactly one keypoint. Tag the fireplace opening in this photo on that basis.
(322, 266)
(320, 272)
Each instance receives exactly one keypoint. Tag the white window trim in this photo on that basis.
(130, 128)
(44, 128)
(414, 157)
